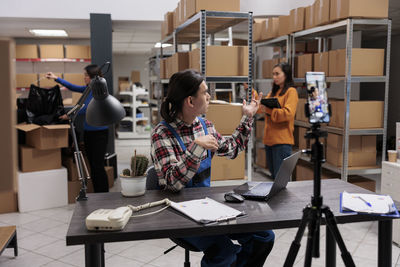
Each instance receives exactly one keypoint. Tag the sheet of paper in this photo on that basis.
(367, 203)
(206, 210)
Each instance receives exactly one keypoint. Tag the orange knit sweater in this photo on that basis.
(279, 122)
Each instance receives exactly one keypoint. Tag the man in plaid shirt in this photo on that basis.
(181, 149)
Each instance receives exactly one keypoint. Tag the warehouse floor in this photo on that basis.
(41, 238)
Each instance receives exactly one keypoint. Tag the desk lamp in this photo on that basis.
(103, 109)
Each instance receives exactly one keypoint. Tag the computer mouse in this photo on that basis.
(233, 197)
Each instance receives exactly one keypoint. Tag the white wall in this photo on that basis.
(123, 64)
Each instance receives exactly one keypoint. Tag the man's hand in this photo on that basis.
(51, 75)
(208, 142)
(252, 108)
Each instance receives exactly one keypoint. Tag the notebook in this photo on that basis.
(266, 190)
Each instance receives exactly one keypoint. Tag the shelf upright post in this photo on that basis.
(347, 98)
(203, 48)
(387, 75)
(249, 94)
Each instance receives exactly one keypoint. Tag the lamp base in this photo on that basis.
(82, 195)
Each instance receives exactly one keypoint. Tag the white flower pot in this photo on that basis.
(133, 186)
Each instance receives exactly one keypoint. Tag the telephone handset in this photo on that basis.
(116, 219)
(108, 219)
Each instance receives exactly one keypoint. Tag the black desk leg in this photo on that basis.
(94, 255)
(385, 243)
(330, 257)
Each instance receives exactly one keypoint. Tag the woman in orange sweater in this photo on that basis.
(279, 122)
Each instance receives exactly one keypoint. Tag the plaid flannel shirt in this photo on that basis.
(175, 167)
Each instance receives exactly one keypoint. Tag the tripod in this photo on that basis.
(312, 213)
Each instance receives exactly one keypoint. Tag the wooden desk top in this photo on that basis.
(284, 210)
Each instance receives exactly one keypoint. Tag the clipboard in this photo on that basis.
(395, 213)
(271, 102)
(207, 210)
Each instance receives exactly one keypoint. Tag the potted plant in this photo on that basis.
(133, 181)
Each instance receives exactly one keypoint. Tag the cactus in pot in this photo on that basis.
(133, 181)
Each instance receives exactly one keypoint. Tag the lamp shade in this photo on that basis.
(103, 109)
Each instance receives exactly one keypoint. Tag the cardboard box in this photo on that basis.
(74, 188)
(363, 114)
(362, 182)
(309, 17)
(77, 51)
(8, 138)
(304, 64)
(222, 60)
(110, 175)
(341, 9)
(176, 17)
(236, 42)
(303, 142)
(194, 6)
(124, 86)
(257, 26)
(24, 80)
(179, 61)
(135, 76)
(360, 62)
(51, 51)
(297, 19)
(45, 136)
(163, 72)
(321, 12)
(223, 168)
(300, 115)
(75, 78)
(217, 114)
(284, 25)
(167, 26)
(261, 158)
(366, 143)
(355, 159)
(42, 189)
(32, 159)
(268, 66)
(47, 83)
(8, 201)
(304, 171)
(26, 51)
(270, 28)
(321, 62)
(260, 126)
(75, 98)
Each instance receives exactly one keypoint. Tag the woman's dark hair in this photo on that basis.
(287, 70)
(93, 70)
(181, 85)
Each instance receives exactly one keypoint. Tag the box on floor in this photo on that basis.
(33, 159)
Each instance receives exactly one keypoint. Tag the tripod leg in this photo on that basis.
(312, 232)
(294, 248)
(331, 224)
(330, 251)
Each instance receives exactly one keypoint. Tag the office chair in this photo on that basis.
(152, 184)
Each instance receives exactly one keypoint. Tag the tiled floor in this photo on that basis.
(41, 240)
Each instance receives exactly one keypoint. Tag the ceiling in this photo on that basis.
(129, 37)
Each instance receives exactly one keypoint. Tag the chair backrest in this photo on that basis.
(152, 179)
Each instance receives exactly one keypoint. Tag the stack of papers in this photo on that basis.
(367, 203)
(206, 210)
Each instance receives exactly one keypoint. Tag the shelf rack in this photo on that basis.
(370, 27)
(196, 29)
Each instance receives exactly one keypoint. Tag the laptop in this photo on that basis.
(266, 190)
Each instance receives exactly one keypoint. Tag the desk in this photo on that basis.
(283, 211)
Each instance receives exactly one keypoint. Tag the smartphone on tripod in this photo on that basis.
(317, 107)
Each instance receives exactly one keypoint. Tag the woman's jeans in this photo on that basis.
(275, 156)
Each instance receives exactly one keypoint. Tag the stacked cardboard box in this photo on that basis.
(267, 67)
(217, 115)
(261, 158)
(228, 169)
(77, 51)
(362, 150)
(260, 125)
(363, 114)
(305, 171)
(192, 7)
(42, 150)
(257, 26)
(24, 80)
(321, 62)
(222, 60)
(284, 25)
(51, 51)
(309, 17)
(300, 114)
(26, 51)
(304, 64)
(123, 84)
(167, 26)
(341, 9)
(269, 29)
(297, 19)
(47, 83)
(321, 12)
(135, 76)
(75, 78)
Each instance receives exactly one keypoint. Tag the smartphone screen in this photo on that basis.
(317, 97)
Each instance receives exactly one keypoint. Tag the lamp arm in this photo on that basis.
(81, 103)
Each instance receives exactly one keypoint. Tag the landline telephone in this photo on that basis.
(116, 219)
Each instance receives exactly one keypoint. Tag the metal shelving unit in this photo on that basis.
(348, 27)
(196, 29)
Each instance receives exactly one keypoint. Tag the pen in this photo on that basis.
(366, 202)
